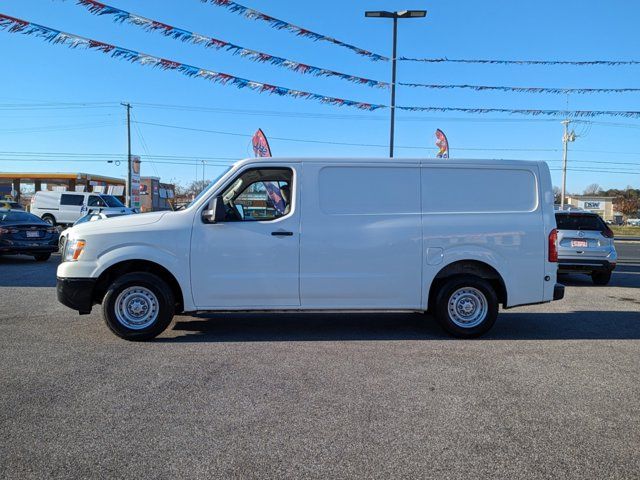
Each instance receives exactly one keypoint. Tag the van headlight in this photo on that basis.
(73, 249)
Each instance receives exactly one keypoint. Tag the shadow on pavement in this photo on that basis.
(292, 327)
(623, 276)
(24, 271)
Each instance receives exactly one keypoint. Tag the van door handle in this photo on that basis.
(281, 233)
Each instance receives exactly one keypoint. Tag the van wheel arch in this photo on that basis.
(465, 268)
(134, 266)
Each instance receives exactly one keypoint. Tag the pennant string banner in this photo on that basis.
(523, 62)
(299, 31)
(530, 112)
(522, 89)
(99, 8)
(15, 25)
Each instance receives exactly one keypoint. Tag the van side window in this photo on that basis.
(95, 201)
(259, 194)
(70, 199)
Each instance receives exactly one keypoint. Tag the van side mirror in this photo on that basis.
(215, 211)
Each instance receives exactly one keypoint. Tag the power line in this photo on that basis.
(86, 160)
(61, 128)
(57, 106)
(144, 145)
(354, 144)
(103, 157)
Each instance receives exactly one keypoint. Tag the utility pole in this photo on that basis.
(128, 107)
(203, 185)
(566, 138)
(395, 16)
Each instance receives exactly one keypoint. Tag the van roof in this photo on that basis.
(387, 160)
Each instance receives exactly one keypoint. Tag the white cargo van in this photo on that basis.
(456, 237)
(67, 207)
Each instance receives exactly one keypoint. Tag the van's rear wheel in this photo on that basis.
(138, 306)
(466, 306)
(50, 219)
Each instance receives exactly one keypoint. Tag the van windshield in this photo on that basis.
(213, 182)
(111, 201)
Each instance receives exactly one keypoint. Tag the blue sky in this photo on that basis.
(36, 72)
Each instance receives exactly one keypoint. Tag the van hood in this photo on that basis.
(120, 222)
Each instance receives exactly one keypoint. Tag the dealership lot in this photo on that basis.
(551, 392)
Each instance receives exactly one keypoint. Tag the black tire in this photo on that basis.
(50, 219)
(601, 278)
(42, 257)
(163, 296)
(452, 287)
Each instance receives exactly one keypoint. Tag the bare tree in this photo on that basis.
(197, 186)
(557, 194)
(593, 189)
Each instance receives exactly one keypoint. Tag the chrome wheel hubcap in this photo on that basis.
(136, 308)
(468, 307)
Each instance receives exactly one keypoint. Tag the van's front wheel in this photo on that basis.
(466, 306)
(138, 306)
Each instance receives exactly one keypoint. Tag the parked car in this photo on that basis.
(65, 208)
(10, 205)
(25, 234)
(585, 245)
(454, 237)
(89, 217)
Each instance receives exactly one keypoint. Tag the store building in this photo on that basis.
(603, 206)
(155, 195)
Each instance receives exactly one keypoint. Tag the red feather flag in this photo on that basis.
(260, 144)
(442, 143)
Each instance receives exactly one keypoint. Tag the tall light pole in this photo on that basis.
(395, 16)
(566, 138)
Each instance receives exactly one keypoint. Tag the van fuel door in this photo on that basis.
(434, 255)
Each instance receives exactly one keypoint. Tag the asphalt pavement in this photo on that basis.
(628, 250)
(551, 392)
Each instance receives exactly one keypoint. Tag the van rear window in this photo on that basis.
(70, 199)
(574, 221)
(478, 190)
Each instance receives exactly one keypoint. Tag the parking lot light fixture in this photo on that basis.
(395, 16)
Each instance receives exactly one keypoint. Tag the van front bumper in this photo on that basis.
(76, 293)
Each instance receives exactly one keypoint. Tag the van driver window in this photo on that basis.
(259, 194)
(95, 201)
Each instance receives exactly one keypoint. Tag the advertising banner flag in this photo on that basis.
(442, 143)
(260, 144)
(135, 181)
